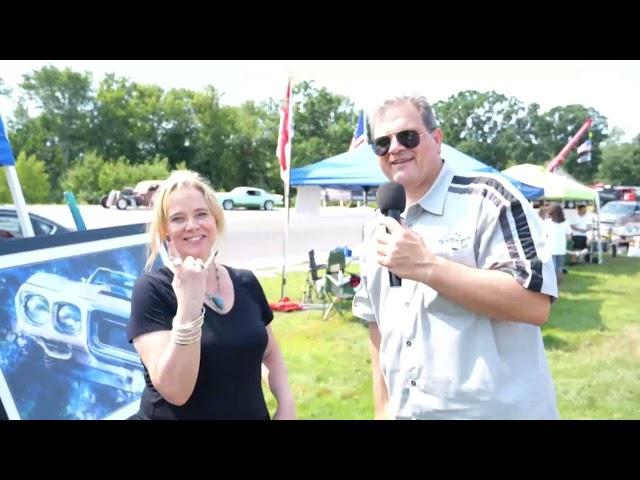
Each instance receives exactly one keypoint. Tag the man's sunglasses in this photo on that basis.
(406, 138)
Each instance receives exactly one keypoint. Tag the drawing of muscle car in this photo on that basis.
(82, 325)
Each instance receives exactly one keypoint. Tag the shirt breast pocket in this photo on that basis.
(464, 255)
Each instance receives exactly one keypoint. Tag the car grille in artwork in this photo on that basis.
(108, 338)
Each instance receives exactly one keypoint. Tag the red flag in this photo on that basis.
(285, 135)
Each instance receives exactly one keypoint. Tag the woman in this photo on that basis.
(557, 232)
(202, 329)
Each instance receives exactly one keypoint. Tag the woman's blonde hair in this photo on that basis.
(178, 179)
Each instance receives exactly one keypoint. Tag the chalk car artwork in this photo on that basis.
(81, 326)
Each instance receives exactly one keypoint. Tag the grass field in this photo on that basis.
(592, 341)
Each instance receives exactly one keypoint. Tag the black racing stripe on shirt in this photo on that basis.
(521, 270)
(520, 219)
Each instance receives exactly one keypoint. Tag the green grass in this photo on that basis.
(328, 360)
(592, 341)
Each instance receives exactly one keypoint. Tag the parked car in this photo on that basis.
(617, 211)
(10, 224)
(249, 197)
(139, 196)
(81, 326)
(623, 232)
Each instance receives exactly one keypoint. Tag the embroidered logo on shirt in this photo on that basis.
(455, 240)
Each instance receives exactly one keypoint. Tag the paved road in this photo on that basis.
(254, 238)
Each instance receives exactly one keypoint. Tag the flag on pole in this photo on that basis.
(559, 159)
(6, 155)
(584, 152)
(359, 135)
(285, 135)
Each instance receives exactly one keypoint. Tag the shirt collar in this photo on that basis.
(433, 200)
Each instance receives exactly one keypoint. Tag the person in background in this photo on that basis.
(202, 329)
(580, 226)
(557, 232)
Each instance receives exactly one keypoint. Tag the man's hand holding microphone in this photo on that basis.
(399, 249)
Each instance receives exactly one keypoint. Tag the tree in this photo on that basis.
(83, 179)
(620, 164)
(614, 137)
(4, 88)
(212, 128)
(563, 123)
(488, 126)
(65, 101)
(323, 124)
(34, 180)
(129, 119)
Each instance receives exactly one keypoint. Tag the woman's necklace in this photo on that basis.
(215, 299)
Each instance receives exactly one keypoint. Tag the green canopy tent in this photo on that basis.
(557, 187)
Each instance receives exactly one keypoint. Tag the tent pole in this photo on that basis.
(598, 235)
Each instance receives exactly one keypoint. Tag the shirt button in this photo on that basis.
(406, 304)
(408, 343)
(413, 383)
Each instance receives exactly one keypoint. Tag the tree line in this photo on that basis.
(70, 134)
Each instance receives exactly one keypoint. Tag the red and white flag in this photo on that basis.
(285, 136)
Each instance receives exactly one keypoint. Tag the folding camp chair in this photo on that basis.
(313, 292)
(338, 284)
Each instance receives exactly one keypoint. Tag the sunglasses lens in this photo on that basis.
(408, 138)
(381, 145)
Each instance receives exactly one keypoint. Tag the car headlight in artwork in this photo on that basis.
(68, 319)
(37, 309)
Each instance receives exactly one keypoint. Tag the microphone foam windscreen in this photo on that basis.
(390, 196)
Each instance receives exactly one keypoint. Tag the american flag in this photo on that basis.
(285, 134)
(359, 135)
(6, 155)
(584, 152)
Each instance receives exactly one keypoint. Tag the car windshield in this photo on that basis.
(106, 277)
(618, 208)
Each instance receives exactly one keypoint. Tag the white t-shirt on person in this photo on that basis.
(556, 234)
(583, 221)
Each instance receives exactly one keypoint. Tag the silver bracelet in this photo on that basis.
(190, 333)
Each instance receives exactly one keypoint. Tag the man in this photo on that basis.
(579, 227)
(460, 337)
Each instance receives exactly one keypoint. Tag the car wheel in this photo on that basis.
(103, 201)
(268, 205)
(227, 204)
(122, 203)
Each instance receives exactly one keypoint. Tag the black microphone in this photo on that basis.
(391, 201)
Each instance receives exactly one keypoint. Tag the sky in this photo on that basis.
(610, 86)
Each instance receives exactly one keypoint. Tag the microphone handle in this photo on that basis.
(394, 280)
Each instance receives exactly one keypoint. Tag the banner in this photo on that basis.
(6, 155)
(65, 302)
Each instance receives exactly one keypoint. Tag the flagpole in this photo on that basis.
(18, 201)
(286, 239)
(283, 151)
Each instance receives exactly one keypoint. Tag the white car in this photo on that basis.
(82, 325)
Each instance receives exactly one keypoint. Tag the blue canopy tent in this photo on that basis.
(360, 168)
